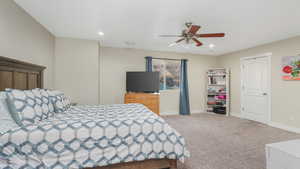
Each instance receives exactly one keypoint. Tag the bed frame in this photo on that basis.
(21, 75)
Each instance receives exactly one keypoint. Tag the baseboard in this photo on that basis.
(238, 115)
(177, 113)
(284, 127)
(168, 113)
(274, 124)
(197, 111)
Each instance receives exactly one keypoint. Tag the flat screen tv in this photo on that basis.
(147, 82)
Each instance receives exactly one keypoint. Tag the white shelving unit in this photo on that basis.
(218, 91)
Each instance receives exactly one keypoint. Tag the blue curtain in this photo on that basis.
(184, 106)
(148, 63)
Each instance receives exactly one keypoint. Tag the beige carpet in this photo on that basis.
(220, 142)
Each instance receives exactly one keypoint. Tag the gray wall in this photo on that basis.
(22, 38)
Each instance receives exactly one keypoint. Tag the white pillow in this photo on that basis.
(6, 121)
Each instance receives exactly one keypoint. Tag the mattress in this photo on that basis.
(89, 136)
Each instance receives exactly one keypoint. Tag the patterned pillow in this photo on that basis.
(59, 101)
(29, 106)
(47, 106)
(66, 102)
(6, 121)
(23, 106)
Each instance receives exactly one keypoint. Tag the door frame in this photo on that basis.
(268, 56)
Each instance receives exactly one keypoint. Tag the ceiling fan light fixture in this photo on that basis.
(190, 36)
(186, 46)
(100, 33)
(212, 46)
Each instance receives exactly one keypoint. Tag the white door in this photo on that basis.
(255, 79)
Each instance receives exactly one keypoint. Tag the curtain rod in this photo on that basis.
(168, 59)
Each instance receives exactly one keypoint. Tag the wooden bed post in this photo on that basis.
(173, 164)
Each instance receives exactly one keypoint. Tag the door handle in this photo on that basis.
(264, 94)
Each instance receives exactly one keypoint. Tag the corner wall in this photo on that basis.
(22, 38)
(77, 69)
(285, 94)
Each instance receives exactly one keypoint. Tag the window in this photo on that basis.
(169, 70)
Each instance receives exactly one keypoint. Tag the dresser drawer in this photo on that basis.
(149, 100)
(142, 98)
(131, 101)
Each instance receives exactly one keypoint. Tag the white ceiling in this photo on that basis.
(247, 23)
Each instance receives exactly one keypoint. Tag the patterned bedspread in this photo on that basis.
(88, 136)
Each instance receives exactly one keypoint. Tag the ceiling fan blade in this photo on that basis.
(179, 40)
(198, 43)
(188, 24)
(193, 29)
(170, 35)
(210, 35)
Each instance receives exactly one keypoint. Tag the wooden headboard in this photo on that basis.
(20, 75)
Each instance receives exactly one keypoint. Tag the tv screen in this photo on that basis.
(142, 82)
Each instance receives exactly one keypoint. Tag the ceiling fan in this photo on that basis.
(190, 34)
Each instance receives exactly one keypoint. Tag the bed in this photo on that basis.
(100, 136)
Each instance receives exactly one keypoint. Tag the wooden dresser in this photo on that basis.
(150, 100)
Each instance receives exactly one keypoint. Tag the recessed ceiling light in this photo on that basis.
(211, 46)
(100, 33)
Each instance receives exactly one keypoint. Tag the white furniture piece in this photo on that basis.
(283, 155)
(217, 89)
